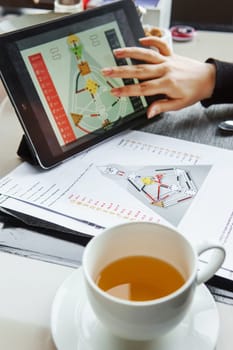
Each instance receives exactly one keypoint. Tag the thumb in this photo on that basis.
(156, 42)
(163, 106)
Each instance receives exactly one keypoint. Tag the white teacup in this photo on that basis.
(144, 320)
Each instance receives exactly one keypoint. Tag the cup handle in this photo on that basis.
(215, 262)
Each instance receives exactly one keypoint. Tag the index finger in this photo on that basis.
(139, 53)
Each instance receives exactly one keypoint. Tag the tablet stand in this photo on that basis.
(25, 152)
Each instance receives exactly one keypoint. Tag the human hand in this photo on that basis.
(182, 80)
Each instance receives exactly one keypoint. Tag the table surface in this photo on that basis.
(29, 286)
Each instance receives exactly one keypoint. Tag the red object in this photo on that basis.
(182, 33)
(85, 2)
(53, 100)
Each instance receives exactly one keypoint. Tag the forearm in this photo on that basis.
(223, 91)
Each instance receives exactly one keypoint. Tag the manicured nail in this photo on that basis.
(118, 52)
(115, 92)
(107, 71)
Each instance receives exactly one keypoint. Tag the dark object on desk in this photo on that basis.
(220, 282)
(221, 295)
(40, 4)
(13, 218)
(226, 126)
(24, 151)
(222, 289)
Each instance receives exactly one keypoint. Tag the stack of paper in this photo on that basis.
(133, 176)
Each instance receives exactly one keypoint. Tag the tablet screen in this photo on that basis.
(68, 104)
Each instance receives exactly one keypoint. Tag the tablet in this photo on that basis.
(52, 73)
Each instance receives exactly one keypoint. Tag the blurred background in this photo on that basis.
(202, 15)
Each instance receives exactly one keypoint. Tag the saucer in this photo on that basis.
(75, 327)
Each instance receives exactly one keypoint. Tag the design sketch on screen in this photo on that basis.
(75, 95)
(168, 190)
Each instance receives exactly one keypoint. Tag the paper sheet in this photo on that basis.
(114, 183)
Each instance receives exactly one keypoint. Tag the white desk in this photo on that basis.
(28, 286)
(26, 294)
(207, 44)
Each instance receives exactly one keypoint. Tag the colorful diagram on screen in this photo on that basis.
(92, 105)
(168, 190)
(75, 95)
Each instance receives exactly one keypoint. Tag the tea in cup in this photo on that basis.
(141, 277)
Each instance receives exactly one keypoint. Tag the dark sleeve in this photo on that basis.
(223, 91)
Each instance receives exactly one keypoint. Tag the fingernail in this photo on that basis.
(107, 71)
(117, 52)
(152, 113)
(115, 92)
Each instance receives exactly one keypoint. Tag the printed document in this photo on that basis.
(133, 176)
